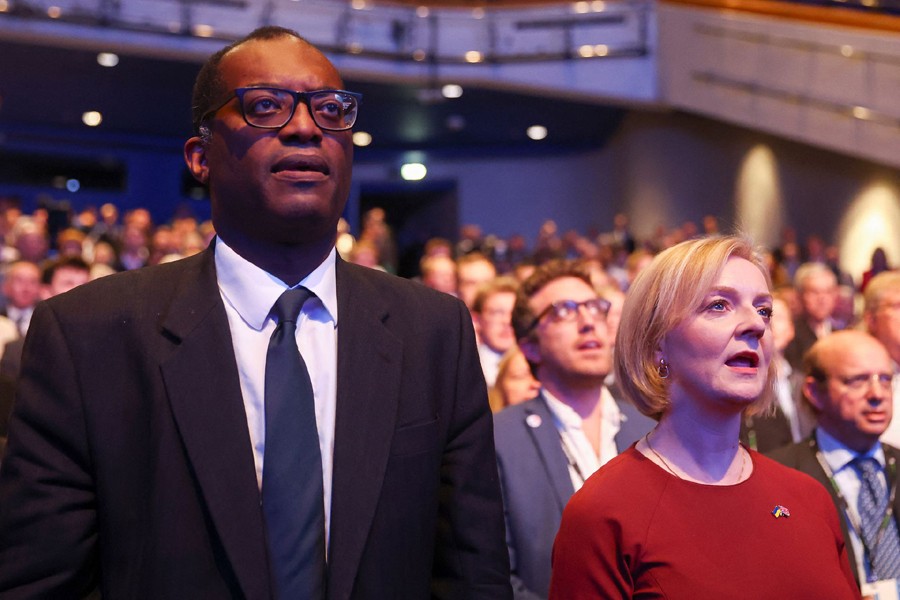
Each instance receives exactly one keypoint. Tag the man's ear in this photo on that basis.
(812, 391)
(195, 158)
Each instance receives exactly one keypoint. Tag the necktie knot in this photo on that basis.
(867, 466)
(287, 308)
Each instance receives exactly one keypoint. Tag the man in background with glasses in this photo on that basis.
(548, 446)
(848, 384)
(156, 449)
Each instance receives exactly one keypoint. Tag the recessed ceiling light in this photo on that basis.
(422, 12)
(362, 138)
(4, 5)
(54, 12)
(536, 132)
(452, 90)
(419, 55)
(474, 56)
(204, 31)
(413, 171)
(107, 59)
(91, 118)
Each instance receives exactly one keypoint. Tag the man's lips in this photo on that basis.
(590, 345)
(301, 163)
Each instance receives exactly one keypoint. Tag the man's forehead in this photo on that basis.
(282, 60)
(564, 288)
(857, 356)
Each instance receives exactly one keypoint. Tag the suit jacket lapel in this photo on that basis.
(545, 436)
(201, 379)
(808, 463)
(368, 374)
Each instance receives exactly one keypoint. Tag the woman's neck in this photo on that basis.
(698, 447)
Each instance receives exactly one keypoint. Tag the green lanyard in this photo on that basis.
(851, 521)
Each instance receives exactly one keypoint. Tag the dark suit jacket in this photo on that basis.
(766, 433)
(129, 464)
(802, 456)
(534, 476)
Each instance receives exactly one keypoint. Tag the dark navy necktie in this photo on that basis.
(882, 541)
(292, 492)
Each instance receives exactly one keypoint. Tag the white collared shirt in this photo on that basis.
(583, 460)
(784, 393)
(249, 294)
(490, 363)
(839, 457)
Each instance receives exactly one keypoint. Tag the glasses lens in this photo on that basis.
(564, 310)
(333, 110)
(265, 107)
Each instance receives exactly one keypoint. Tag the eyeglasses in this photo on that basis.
(567, 310)
(858, 383)
(273, 108)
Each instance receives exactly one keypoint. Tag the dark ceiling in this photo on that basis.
(48, 88)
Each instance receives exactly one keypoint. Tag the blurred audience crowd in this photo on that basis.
(484, 271)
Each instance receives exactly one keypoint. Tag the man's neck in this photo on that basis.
(289, 263)
(583, 399)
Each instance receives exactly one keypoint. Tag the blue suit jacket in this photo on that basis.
(534, 477)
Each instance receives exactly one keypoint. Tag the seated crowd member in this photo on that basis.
(515, 382)
(817, 287)
(792, 419)
(881, 317)
(848, 381)
(547, 447)
(492, 314)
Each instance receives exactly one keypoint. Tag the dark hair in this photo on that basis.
(64, 262)
(209, 87)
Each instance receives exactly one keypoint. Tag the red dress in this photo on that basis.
(637, 531)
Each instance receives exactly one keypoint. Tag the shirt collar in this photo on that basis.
(838, 456)
(569, 419)
(252, 291)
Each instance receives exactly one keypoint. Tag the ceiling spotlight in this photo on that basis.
(73, 185)
(204, 31)
(452, 90)
(422, 12)
(362, 138)
(107, 59)
(54, 12)
(358, 4)
(586, 51)
(91, 118)
(536, 132)
(419, 55)
(581, 7)
(598, 5)
(478, 12)
(601, 49)
(4, 5)
(474, 56)
(413, 171)
(355, 48)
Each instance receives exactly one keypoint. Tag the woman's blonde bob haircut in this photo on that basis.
(669, 289)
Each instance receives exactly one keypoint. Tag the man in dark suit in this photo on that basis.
(138, 440)
(548, 446)
(848, 382)
(817, 286)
